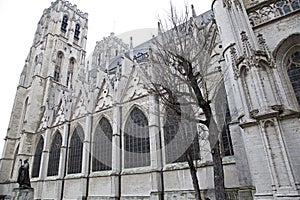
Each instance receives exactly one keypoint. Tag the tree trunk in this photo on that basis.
(193, 172)
(218, 172)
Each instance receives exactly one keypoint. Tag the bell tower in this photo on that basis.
(54, 62)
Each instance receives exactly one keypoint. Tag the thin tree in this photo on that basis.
(181, 72)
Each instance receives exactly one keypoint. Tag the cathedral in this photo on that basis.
(73, 112)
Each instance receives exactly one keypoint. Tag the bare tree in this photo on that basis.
(182, 72)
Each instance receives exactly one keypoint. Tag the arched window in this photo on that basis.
(180, 136)
(102, 146)
(136, 140)
(77, 32)
(64, 23)
(53, 164)
(37, 158)
(293, 70)
(70, 71)
(75, 151)
(58, 65)
(226, 143)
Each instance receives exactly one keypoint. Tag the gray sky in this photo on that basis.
(19, 18)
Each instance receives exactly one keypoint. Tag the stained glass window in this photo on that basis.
(227, 149)
(75, 151)
(53, 164)
(102, 146)
(37, 158)
(294, 73)
(136, 140)
(180, 136)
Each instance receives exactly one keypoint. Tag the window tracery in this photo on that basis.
(293, 69)
(136, 140)
(37, 158)
(54, 155)
(75, 151)
(102, 146)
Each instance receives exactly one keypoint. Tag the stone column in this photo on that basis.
(155, 149)
(87, 144)
(116, 153)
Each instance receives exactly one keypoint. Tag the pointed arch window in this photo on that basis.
(70, 71)
(75, 151)
(77, 32)
(226, 143)
(102, 146)
(180, 136)
(54, 156)
(136, 139)
(64, 23)
(58, 65)
(293, 70)
(37, 158)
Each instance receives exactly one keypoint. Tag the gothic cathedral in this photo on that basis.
(72, 112)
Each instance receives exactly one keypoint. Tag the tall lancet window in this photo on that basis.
(70, 72)
(58, 65)
(294, 73)
(102, 146)
(37, 158)
(54, 156)
(136, 140)
(77, 32)
(64, 23)
(75, 151)
(180, 135)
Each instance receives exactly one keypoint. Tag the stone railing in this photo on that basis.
(273, 10)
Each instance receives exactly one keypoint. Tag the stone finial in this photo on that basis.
(193, 11)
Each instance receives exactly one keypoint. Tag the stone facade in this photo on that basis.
(63, 98)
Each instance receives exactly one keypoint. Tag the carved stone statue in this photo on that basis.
(23, 175)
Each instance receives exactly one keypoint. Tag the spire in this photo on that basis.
(159, 28)
(193, 11)
(131, 48)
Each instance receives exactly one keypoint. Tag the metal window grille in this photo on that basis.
(37, 158)
(54, 156)
(136, 139)
(102, 146)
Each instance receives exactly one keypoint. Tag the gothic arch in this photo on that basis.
(267, 80)
(54, 154)
(289, 74)
(37, 157)
(136, 139)
(76, 151)
(14, 160)
(102, 146)
(245, 81)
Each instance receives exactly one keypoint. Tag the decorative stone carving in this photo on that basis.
(273, 10)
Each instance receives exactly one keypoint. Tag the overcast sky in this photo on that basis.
(19, 18)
